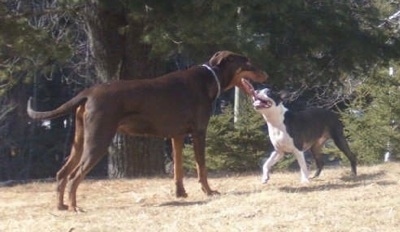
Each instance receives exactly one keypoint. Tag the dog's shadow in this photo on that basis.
(348, 183)
(181, 203)
(363, 177)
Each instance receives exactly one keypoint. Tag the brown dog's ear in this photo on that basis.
(218, 57)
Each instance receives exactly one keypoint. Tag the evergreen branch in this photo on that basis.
(26, 14)
(4, 112)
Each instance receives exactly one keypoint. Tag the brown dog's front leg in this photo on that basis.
(177, 146)
(199, 143)
(202, 173)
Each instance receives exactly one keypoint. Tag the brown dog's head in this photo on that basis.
(233, 68)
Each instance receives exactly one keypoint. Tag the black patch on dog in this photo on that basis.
(308, 125)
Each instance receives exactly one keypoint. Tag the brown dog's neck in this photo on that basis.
(216, 79)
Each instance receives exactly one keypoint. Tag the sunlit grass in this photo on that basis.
(334, 202)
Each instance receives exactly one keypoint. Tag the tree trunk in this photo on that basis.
(135, 156)
(119, 54)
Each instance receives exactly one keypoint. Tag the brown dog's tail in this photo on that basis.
(64, 109)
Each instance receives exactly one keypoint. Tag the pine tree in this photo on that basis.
(372, 118)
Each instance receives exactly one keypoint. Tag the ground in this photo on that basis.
(333, 202)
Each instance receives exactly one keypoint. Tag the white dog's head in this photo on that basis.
(264, 100)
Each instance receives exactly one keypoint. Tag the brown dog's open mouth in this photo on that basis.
(260, 103)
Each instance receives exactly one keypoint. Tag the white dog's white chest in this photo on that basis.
(280, 139)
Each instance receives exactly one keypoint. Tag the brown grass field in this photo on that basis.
(334, 202)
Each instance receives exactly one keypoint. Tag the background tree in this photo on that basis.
(372, 118)
(120, 54)
(373, 115)
(28, 52)
(314, 49)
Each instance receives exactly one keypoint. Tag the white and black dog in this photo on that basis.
(296, 132)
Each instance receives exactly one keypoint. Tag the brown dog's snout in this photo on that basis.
(262, 76)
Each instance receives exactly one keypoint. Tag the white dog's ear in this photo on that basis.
(284, 95)
(287, 96)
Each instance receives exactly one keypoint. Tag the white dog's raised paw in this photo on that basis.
(305, 181)
(264, 180)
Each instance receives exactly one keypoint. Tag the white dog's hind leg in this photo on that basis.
(273, 158)
(303, 166)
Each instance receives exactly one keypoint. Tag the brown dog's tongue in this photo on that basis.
(248, 87)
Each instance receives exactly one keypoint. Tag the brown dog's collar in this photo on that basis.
(216, 79)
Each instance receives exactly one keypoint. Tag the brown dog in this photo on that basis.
(174, 105)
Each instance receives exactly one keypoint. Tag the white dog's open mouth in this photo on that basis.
(260, 103)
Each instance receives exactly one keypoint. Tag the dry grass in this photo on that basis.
(334, 202)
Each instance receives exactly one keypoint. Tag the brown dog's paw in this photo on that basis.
(210, 192)
(75, 209)
(181, 194)
(62, 207)
(213, 193)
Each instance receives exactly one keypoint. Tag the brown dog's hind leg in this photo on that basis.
(177, 147)
(98, 135)
(62, 175)
(199, 142)
(73, 159)
(89, 159)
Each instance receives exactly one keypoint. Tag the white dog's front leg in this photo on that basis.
(303, 166)
(273, 158)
